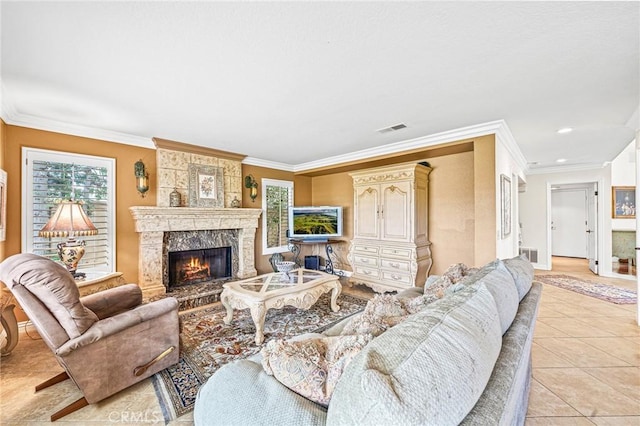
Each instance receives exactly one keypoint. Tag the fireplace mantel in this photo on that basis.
(152, 222)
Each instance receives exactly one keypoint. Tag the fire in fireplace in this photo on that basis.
(195, 266)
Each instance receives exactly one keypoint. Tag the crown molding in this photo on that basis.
(14, 118)
(565, 169)
(499, 127)
(482, 129)
(7, 109)
(252, 161)
(504, 135)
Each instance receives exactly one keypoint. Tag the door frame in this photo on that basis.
(600, 215)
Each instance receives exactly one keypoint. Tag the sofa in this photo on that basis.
(464, 358)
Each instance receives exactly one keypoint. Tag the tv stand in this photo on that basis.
(295, 246)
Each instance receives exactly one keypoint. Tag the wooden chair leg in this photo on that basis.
(74, 406)
(52, 381)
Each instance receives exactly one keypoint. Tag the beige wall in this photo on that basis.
(451, 207)
(484, 177)
(451, 211)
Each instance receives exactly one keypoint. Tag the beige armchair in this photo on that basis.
(105, 341)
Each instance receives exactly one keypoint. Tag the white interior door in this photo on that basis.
(568, 223)
(592, 228)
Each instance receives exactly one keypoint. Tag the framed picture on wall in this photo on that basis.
(206, 186)
(623, 202)
(505, 206)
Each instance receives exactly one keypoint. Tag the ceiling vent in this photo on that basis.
(393, 128)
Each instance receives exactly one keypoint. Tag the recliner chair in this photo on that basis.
(106, 341)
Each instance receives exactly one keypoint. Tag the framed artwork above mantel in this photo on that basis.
(206, 186)
(623, 202)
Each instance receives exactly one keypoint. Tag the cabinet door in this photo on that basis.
(367, 219)
(396, 211)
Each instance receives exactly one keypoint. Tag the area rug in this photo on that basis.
(206, 344)
(610, 293)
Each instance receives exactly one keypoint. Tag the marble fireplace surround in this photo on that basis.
(152, 223)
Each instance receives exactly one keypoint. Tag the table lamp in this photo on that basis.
(70, 221)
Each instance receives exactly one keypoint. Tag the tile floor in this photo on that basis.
(586, 356)
(586, 369)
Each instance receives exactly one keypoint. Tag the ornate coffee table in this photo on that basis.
(301, 289)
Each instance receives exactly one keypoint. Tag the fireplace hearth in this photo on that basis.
(188, 267)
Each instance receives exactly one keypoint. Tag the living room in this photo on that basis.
(468, 156)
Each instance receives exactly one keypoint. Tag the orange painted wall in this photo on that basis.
(15, 138)
(461, 215)
(301, 193)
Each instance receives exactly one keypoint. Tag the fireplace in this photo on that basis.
(191, 257)
(168, 229)
(195, 266)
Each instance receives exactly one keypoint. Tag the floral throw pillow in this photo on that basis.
(381, 313)
(312, 367)
(454, 274)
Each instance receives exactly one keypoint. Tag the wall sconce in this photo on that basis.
(250, 182)
(142, 178)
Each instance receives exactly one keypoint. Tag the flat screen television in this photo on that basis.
(315, 223)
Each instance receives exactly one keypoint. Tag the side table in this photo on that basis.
(294, 247)
(9, 332)
(95, 282)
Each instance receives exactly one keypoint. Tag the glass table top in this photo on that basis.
(279, 280)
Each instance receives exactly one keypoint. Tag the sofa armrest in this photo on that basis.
(242, 390)
(113, 301)
(120, 322)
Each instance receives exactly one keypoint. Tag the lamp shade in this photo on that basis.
(69, 220)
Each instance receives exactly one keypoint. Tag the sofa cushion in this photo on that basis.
(241, 393)
(429, 369)
(522, 272)
(311, 367)
(503, 289)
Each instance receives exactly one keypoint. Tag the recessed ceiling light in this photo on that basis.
(561, 160)
(565, 130)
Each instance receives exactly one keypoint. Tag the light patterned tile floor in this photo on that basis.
(586, 356)
(586, 369)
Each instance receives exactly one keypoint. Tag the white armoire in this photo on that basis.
(390, 249)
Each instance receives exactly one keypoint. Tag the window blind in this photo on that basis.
(55, 181)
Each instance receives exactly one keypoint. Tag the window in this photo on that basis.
(277, 197)
(50, 176)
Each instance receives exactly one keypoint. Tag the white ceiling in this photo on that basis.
(292, 83)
